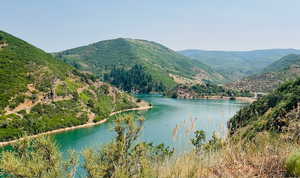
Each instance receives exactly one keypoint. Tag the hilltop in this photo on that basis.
(239, 64)
(39, 93)
(286, 68)
(161, 65)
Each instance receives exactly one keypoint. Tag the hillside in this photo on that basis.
(162, 64)
(205, 90)
(39, 93)
(238, 64)
(287, 68)
(278, 112)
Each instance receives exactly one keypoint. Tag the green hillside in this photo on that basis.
(277, 112)
(287, 68)
(238, 64)
(161, 63)
(285, 63)
(39, 93)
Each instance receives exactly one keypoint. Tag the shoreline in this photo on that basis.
(86, 125)
(244, 99)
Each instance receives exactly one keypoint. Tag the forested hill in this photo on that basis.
(39, 93)
(287, 68)
(239, 64)
(164, 65)
(277, 112)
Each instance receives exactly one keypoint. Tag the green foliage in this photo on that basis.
(200, 143)
(199, 139)
(268, 113)
(293, 164)
(16, 101)
(133, 80)
(42, 118)
(124, 157)
(38, 157)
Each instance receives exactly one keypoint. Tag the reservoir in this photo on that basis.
(170, 121)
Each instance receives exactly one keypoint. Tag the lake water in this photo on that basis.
(170, 121)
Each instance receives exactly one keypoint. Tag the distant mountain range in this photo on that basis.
(164, 65)
(287, 68)
(238, 64)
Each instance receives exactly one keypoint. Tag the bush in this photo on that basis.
(38, 157)
(293, 164)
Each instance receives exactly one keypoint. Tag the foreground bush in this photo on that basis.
(293, 164)
(124, 157)
(35, 158)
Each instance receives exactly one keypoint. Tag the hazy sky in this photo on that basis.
(55, 25)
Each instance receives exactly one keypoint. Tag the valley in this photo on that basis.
(149, 89)
(185, 105)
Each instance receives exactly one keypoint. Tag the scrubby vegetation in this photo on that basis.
(39, 93)
(22, 64)
(36, 158)
(277, 112)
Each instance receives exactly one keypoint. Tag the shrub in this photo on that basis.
(38, 157)
(293, 164)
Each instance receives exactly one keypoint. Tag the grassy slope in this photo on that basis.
(238, 64)
(158, 60)
(39, 93)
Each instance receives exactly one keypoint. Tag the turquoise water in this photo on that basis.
(170, 121)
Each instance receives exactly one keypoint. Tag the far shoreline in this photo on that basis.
(244, 99)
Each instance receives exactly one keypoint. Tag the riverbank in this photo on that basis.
(75, 127)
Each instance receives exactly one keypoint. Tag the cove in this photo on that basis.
(170, 121)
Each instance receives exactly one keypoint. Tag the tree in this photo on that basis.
(124, 157)
(199, 139)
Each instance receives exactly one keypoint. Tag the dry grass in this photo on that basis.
(264, 158)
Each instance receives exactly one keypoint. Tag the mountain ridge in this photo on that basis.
(239, 64)
(158, 61)
(286, 68)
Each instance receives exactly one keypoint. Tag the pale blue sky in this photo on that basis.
(55, 25)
